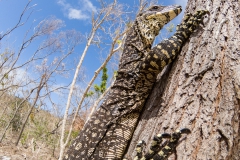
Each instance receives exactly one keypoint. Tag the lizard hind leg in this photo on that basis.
(197, 19)
(154, 148)
(187, 17)
(171, 145)
(155, 145)
(139, 150)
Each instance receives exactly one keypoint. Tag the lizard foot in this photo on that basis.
(191, 22)
(157, 151)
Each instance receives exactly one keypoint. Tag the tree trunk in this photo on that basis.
(200, 90)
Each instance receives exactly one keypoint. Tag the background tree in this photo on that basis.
(28, 73)
(200, 90)
(110, 23)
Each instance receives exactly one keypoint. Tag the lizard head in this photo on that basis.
(150, 21)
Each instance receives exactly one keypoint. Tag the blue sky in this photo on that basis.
(76, 15)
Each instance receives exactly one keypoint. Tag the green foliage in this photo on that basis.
(89, 94)
(115, 73)
(24, 138)
(104, 80)
(40, 128)
(5, 76)
(100, 89)
(119, 41)
(2, 123)
(97, 88)
(16, 122)
(74, 134)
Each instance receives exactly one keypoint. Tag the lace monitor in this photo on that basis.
(108, 132)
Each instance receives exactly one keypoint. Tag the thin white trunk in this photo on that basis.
(62, 144)
(96, 24)
(90, 84)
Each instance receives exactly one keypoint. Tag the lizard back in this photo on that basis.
(108, 132)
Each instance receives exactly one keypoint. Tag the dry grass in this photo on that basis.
(40, 139)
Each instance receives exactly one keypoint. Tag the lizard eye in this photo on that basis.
(155, 7)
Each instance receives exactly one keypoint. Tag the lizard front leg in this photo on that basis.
(165, 52)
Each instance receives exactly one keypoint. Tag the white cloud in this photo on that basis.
(87, 5)
(76, 14)
(81, 12)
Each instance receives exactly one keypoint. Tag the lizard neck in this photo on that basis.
(136, 39)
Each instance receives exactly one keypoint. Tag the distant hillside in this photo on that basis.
(40, 139)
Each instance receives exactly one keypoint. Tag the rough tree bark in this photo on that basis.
(200, 90)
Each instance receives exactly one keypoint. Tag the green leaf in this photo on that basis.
(96, 88)
(119, 41)
(89, 94)
(115, 73)
(5, 76)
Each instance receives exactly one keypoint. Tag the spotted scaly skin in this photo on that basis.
(156, 151)
(108, 132)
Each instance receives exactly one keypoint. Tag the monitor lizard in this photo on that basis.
(108, 132)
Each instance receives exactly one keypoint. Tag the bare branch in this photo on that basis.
(19, 24)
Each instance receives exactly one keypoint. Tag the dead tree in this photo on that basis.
(200, 90)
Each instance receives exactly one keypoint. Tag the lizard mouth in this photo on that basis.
(167, 13)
